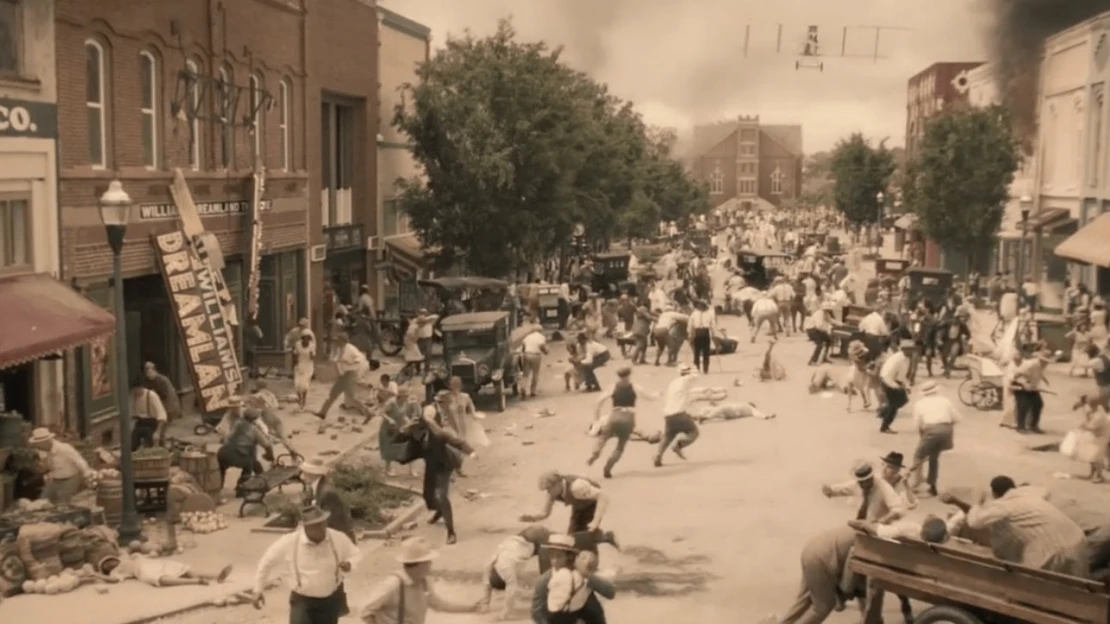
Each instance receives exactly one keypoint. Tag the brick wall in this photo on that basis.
(772, 156)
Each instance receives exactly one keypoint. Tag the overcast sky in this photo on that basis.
(682, 61)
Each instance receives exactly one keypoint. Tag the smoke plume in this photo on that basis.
(1017, 48)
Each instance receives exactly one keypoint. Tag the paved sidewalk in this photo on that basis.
(131, 602)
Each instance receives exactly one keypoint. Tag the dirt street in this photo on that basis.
(712, 539)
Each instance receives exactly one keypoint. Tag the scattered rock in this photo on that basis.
(356, 429)
(545, 413)
(341, 419)
(334, 436)
(322, 430)
(527, 442)
(528, 426)
(101, 590)
(328, 453)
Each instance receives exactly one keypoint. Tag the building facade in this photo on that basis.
(147, 87)
(28, 189)
(342, 113)
(930, 91)
(749, 164)
(404, 45)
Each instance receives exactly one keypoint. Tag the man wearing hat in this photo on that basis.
(406, 595)
(66, 469)
(241, 445)
(1028, 379)
(350, 363)
(935, 418)
(442, 452)
(893, 467)
(592, 356)
(702, 324)
(676, 416)
(565, 594)
(894, 380)
(315, 560)
(533, 348)
(783, 293)
(875, 332)
(879, 502)
(817, 327)
(622, 419)
(319, 492)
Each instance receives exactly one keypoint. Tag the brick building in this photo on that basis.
(931, 91)
(130, 72)
(342, 115)
(747, 163)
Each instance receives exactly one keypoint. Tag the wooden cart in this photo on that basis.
(966, 585)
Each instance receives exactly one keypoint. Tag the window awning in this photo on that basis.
(40, 315)
(1090, 244)
(406, 251)
(907, 221)
(1050, 218)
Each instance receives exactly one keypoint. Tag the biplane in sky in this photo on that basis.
(856, 42)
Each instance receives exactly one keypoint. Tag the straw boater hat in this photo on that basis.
(560, 542)
(863, 471)
(39, 435)
(416, 550)
(315, 466)
(929, 387)
(313, 515)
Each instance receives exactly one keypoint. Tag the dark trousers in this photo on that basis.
(639, 352)
(437, 489)
(231, 457)
(588, 371)
(563, 308)
(703, 345)
(1028, 404)
(821, 341)
(895, 399)
(674, 425)
(250, 360)
(305, 610)
(142, 432)
(591, 613)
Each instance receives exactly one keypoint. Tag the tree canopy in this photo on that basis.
(860, 172)
(516, 148)
(958, 183)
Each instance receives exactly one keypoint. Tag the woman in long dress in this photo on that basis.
(304, 366)
(397, 411)
(1009, 409)
(464, 417)
(1097, 425)
(410, 344)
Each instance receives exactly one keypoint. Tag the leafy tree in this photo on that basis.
(860, 172)
(517, 148)
(959, 182)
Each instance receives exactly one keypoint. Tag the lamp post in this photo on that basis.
(1026, 207)
(879, 198)
(115, 208)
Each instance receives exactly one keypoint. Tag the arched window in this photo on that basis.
(194, 110)
(96, 103)
(227, 130)
(284, 94)
(258, 126)
(148, 85)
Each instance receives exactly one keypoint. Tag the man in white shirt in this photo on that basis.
(817, 326)
(894, 379)
(658, 298)
(702, 325)
(676, 416)
(935, 418)
(149, 418)
(621, 421)
(593, 355)
(1028, 379)
(315, 560)
(351, 364)
(876, 333)
(66, 469)
(533, 347)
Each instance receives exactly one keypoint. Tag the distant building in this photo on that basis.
(748, 163)
(931, 91)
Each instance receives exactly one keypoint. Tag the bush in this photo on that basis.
(365, 493)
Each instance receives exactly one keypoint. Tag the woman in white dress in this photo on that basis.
(464, 417)
(304, 366)
(410, 344)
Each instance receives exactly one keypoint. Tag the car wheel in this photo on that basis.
(946, 615)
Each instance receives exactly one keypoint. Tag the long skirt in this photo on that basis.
(1009, 406)
(302, 375)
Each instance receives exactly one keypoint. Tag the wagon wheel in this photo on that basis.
(988, 396)
(967, 391)
(390, 341)
(946, 615)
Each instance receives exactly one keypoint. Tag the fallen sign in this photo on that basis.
(206, 334)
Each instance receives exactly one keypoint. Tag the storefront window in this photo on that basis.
(14, 231)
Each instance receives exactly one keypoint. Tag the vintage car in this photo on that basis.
(542, 300)
(699, 242)
(964, 584)
(479, 349)
(933, 285)
(611, 275)
(760, 268)
(891, 268)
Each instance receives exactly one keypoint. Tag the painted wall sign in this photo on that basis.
(206, 334)
(34, 120)
(208, 209)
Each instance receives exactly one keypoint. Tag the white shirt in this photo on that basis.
(567, 591)
(428, 329)
(934, 410)
(564, 291)
(874, 325)
(658, 299)
(895, 371)
(594, 349)
(666, 320)
(351, 359)
(677, 396)
(702, 319)
(65, 462)
(148, 405)
(819, 321)
(312, 569)
(534, 343)
(508, 561)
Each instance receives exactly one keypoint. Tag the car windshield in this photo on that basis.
(467, 339)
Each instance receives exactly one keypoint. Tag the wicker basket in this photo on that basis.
(152, 468)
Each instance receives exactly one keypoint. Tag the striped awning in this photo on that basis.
(41, 316)
(1090, 245)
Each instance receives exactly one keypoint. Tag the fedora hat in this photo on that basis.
(929, 387)
(416, 550)
(560, 542)
(41, 434)
(894, 459)
(314, 466)
(313, 515)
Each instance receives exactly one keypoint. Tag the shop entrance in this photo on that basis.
(152, 334)
(17, 391)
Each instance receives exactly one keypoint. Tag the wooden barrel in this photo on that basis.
(203, 467)
(212, 484)
(109, 497)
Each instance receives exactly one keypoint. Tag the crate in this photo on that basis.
(151, 468)
(152, 497)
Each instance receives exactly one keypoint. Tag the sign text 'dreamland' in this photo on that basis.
(205, 333)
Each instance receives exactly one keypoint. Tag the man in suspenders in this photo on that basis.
(587, 504)
(622, 420)
(316, 560)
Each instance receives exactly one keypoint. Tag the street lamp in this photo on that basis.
(879, 197)
(115, 208)
(1026, 207)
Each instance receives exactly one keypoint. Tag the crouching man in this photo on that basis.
(566, 594)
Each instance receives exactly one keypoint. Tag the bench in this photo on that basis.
(253, 490)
